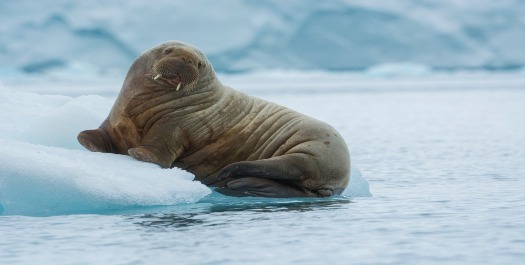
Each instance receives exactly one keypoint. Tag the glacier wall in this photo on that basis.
(241, 35)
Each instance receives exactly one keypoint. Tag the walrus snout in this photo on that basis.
(176, 71)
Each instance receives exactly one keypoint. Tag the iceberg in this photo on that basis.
(44, 171)
(392, 70)
(44, 180)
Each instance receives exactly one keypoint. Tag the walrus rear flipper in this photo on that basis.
(96, 141)
(278, 177)
(261, 187)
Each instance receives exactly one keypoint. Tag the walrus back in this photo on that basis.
(258, 130)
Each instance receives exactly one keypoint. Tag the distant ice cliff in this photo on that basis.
(240, 35)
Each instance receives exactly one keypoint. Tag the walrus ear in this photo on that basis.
(95, 141)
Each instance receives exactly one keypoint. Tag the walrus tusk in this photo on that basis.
(178, 86)
(157, 76)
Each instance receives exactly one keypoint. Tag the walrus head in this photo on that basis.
(177, 65)
(155, 79)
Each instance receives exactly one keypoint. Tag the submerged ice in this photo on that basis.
(44, 171)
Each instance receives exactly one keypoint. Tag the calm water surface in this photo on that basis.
(447, 171)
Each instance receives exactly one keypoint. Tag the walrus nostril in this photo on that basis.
(185, 60)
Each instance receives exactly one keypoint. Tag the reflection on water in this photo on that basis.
(276, 205)
(207, 213)
(169, 220)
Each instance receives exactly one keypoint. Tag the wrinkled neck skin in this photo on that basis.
(143, 102)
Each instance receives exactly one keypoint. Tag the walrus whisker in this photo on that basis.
(157, 76)
(178, 86)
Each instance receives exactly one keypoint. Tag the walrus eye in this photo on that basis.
(168, 51)
(200, 65)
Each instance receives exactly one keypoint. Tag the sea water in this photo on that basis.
(444, 163)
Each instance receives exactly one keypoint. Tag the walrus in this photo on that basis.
(173, 111)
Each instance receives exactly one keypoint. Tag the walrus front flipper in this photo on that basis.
(261, 187)
(148, 155)
(160, 146)
(96, 141)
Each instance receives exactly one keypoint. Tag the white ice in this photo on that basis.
(44, 171)
(41, 180)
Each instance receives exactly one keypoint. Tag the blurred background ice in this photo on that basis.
(104, 37)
